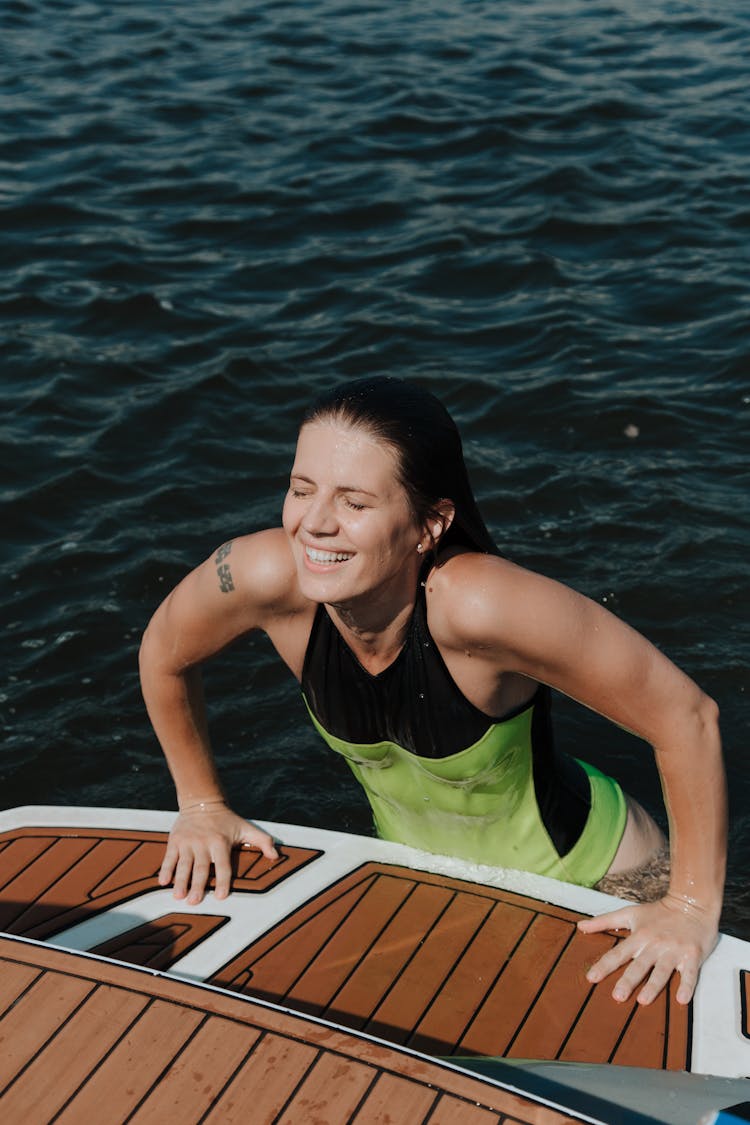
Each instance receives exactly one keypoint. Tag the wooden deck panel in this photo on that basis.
(397, 1101)
(156, 1036)
(362, 944)
(444, 1113)
(187, 1088)
(440, 964)
(52, 878)
(346, 947)
(158, 944)
(260, 1092)
(332, 1089)
(163, 1049)
(412, 991)
(44, 1085)
(459, 1000)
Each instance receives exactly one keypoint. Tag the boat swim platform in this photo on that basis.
(89, 1040)
(370, 936)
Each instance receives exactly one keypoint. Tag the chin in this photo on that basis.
(324, 587)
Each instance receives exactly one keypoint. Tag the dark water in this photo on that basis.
(209, 212)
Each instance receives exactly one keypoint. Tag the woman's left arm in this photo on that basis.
(535, 626)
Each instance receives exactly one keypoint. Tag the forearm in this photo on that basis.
(694, 786)
(175, 705)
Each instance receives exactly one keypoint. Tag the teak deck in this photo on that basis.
(89, 1041)
(441, 965)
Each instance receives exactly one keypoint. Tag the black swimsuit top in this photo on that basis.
(415, 703)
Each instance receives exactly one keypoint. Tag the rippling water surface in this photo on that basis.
(539, 210)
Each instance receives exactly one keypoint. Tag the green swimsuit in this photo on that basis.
(506, 797)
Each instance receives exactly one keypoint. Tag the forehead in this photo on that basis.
(345, 454)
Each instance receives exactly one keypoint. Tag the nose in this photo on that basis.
(320, 517)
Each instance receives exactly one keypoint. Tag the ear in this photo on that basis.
(438, 521)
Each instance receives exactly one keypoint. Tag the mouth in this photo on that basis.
(326, 558)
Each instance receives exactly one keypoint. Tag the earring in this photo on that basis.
(420, 548)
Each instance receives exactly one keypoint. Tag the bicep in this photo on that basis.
(521, 622)
(560, 637)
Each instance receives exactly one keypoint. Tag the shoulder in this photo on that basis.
(254, 577)
(485, 601)
(246, 583)
(259, 566)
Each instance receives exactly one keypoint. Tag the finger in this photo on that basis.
(254, 838)
(660, 975)
(223, 869)
(613, 920)
(613, 959)
(688, 980)
(168, 865)
(201, 869)
(182, 875)
(632, 977)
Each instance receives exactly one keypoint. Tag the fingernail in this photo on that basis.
(619, 994)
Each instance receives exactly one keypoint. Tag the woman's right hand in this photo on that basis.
(203, 837)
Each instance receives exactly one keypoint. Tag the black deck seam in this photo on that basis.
(135, 845)
(16, 1000)
(262, 1034)
(167, 1066)
(623, 1033)
(51, 843)
(126, 1030)
(41, 1047)
(540, 991)
(371, 945)
(420, 941)
(300, 1082)
(362, 886)
(454, 968)
(362, 1101)
(493, 983)
(315, 853)
(575, 1022)
(221, 920)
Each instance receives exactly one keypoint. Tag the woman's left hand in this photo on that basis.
(668, 935)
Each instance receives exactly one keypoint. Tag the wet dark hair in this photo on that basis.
(427, 444)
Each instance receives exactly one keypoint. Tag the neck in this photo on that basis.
(375, 626)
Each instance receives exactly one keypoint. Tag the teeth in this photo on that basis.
(326, 556)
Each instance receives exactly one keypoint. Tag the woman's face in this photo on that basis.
(348, 518)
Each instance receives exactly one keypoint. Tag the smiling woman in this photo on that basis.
(426, 660)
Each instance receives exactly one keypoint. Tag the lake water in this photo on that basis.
(539, 210)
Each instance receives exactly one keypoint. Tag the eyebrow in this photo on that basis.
(340, 488)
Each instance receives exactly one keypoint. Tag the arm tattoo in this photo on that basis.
(222, 569)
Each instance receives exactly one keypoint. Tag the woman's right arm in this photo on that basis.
(236, 590)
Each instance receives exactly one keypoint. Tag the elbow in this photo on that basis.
(145, 652)
(709, 711)
(150, 650)
(707, 716)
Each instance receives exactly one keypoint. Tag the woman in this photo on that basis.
(426, 660)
